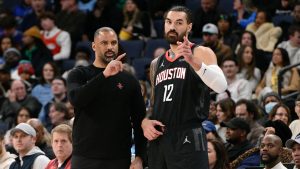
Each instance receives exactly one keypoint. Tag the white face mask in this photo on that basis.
(269, 107)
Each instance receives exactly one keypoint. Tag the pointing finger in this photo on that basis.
(120, 57)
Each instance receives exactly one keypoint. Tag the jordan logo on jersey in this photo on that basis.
(168, 74)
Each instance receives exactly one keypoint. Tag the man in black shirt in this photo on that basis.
(108, 103)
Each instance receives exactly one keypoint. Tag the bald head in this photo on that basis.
(18, 88)
(274, 138)
(104, 29)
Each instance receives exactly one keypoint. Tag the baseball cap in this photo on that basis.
(290, 142)
(24, 127)
(208, 126)
(237, 123)
(210, 28)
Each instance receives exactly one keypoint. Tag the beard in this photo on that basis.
(270, 159)
(106, 57)
(172, 39)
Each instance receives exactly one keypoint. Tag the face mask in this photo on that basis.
(269, 107)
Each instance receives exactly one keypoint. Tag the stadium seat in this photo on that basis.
(133, 48)
(159, 27)
(139, 66)
(153, 44)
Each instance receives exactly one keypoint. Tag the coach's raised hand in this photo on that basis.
(114, 66)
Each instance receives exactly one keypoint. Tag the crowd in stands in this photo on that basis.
(256, 122)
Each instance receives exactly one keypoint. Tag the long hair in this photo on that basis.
(285, 57)
(228, 107)
(277, 106)
(130, 18)
(222, 161)
(249, 67)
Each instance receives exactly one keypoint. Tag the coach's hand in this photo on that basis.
(184, 49)
(149, 129)
(114, 66)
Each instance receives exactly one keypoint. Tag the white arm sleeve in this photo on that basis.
(213, 77)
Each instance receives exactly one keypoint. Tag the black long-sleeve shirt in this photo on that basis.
(106, 110)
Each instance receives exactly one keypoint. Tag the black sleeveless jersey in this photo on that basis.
(180, 96)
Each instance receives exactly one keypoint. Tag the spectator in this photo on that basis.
(225, 112)
(265, 32)
(262, 58)
(30, 156)
(58, 89)
(71, 19)
(5, 157)
(292, 46)
(241, 15)
(57, 41)
(137, 23)
(294, 145)
(43, 138)
(237, 143)
(42, 91)
(227, 35)
(12, 56)
(247, 110)
(280, 112)
(269, 101)
(270, 149)
(290, 79)
(18, 97)
(23, 115)
(217, 156)
(35, 50)
(210, 38)
(295, 125)
(247, 66)
(32, 19)
(238, 88)
(5, 43)
(58, 114)
(105, 13)
(208, 13)
(211, 131)
(61, 139)
(26, 73)
(8, 24)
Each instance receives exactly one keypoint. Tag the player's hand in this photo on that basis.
(137, 163)
(114, 66)
(149, 129)
(184, 49)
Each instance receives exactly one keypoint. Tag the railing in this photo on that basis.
(280, 79)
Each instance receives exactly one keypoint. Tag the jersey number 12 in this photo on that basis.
(168, 92)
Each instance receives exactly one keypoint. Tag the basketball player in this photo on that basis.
(180, 81)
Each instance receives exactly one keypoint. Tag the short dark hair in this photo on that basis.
(250, 106)
(187, 11)
(60, 78)
(47, 15)
(293, 28)
(229, 58)
(61, 107)
(104, 29)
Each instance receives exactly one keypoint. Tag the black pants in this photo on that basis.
(79, 162)
(179, 149)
